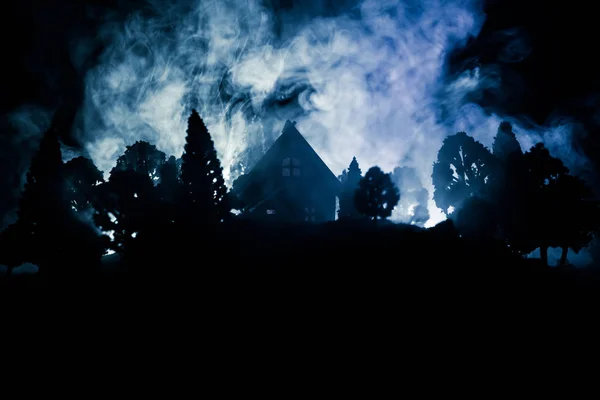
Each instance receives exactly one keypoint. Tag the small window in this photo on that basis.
(291, 167)
(271, 212)
(309, 214)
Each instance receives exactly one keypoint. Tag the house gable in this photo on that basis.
(288, 144)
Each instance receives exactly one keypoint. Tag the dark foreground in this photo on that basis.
(382, 264)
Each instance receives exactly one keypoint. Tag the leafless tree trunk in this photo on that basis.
(563, 256)
(544, 254)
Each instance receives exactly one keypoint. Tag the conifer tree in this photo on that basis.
(54, 236)
(43, 207)
(204, 192)
(349, 180)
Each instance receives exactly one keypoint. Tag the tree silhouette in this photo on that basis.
(463, 169)
(512, 203)
(508, 186)
(537, 225)
(125, 207)
(82, 178)
(505, 142)
(376, 195)
(476, 219)
(169, 190)
(576, 214)
(169, 185)
(349, 179)
(204, 191)
(43, 209)
(12, 241)
(412, 208)
(57, 242)
(141, 157)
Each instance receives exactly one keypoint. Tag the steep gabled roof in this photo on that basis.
(290, 136)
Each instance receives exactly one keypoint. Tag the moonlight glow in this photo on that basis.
(366, 83)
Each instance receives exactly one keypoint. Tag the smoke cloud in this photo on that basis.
(365, 83)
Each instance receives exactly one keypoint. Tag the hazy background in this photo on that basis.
(385, 81)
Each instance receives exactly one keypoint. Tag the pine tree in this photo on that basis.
(52, 234)
(43, 206)
(349, 180)
(204, 192)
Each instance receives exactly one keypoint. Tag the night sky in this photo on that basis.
(532, 62)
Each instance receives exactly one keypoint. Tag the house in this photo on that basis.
(290, 183)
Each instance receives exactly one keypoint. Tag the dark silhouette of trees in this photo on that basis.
(204, 194)
(506, 204)
(126, 206)
(575, 214)
(413, 196)
(82, 178)
(376, 195)
(169, 185)
(549, 207)
(12, 240)
(463, 169)
(349, 179)
(476, 219)
(540, 200)
(142, 157)
(43, 208)
(169, 190)
(505, 142)
(54, 238)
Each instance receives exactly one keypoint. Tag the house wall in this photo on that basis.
(292, 184)
(297, 205)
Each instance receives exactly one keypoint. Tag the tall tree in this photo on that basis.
(43, 208)
(169, 189)
(476, 219)
(349, 179)
(463, 169)
(142, 157)
(376, 195)
(57, 242)
(575, 214)
(125, 207)
(169, 180)
(13, 240)
(537, 226)
(204, 191)
(82, 177)
(505, 142)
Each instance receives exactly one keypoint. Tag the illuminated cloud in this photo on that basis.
(367, 83)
